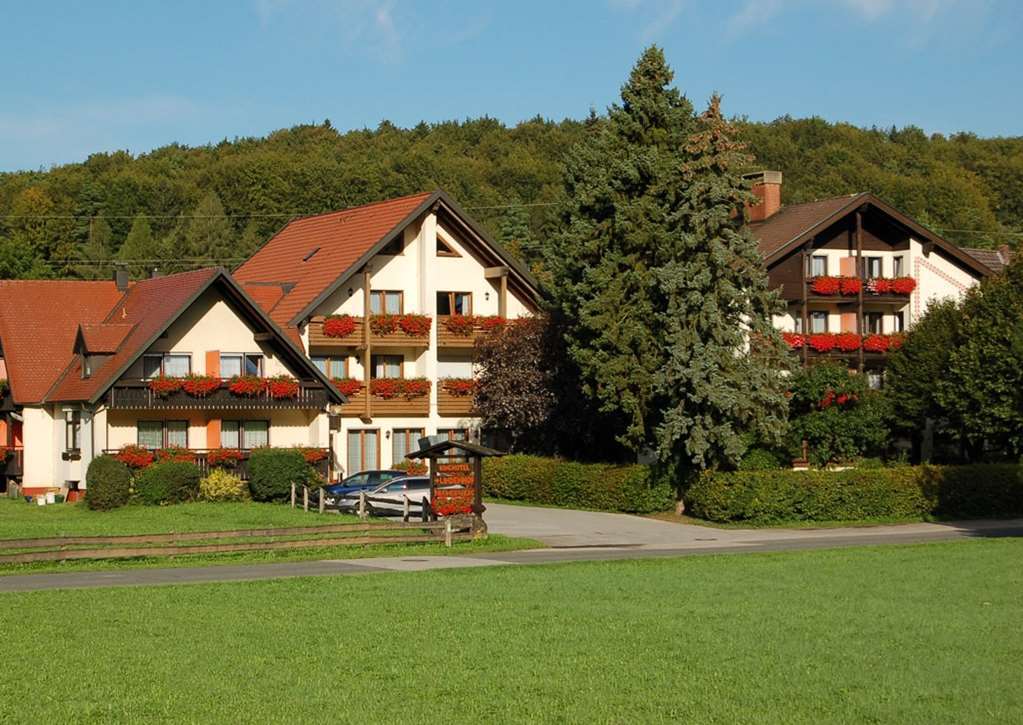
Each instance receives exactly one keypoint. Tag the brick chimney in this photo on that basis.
(767, 187)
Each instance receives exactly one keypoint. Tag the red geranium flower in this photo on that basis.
(459, 386)
(164, 386)
(461, 324)
(226, 457)
(876, 343)
(347, 386)
(134, 456)
(313, 455)
(794, 339)
(383, 324)
(847, 341)
(281, 386)
(415, 388)
(828, 286)
(903, 285)
(491, 322)
(177, 454)
(415, 325)
(850, 286)
(385, 388)
(200, 385)
(821, 341)
(248, 385)
(338, 325)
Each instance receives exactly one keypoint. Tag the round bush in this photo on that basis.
(169, 482)
(273, 470)
(221, 485)
(760, 459)
(108, 484)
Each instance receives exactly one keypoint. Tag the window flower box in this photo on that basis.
(175, 454)
(391, 388)
(200, 385)
(281, 386)
(163, 386)
(224, 457)
(347, 386)
(415, 325)
(891, 286)
(313, 455)
(462, 325)
(491, 322)
(821, 341)
(848, 341)
(246, 385)
(134, 456)
(459, 386)
(338, 325)
(794, 340)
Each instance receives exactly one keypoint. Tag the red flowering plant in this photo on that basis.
(450, 501)
(224, 457)
(829, 286)
(164, 386)
(200, 385)
(839, 399)
(876, 343)
(895, 341)
(347, 386)
(281, 386)
(415, 388)
(903, 285)
(794, 340)
(879, 286)
(821, 341)
(847, 341)
(338, 325)
(459, 386)
(412, 468)
(491, 322)
(462, 325)
(385, 388)
(246, 385)
(135, 456)
(850, 286)
(383, 324)
(313, 455)
(175, 454)
(415, 325)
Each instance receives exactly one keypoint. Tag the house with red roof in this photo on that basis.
(387, 300)
(855, 272)
(183, 361)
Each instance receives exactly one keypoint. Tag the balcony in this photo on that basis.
(240, 467)
(450, 404)
(417, 407)
(137, 395)
(346, 331)
(462, 331)
(846, 290)
(843, 345)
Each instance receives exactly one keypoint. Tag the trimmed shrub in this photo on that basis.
(273, 470)
(760, 459)
(763, 497)
(220, 485)
(108, 484)
(556, 482)
(168, 482)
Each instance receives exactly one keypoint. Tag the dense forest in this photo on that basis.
(178, 207)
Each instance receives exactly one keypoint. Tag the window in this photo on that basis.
(872, 267)
(875, 379)
(797, 325)
(154, 434)
(444, 249)
(72, 431)
(818, 322)
(170, 364)
(897, 264)
(244, 433)
(387, 366)
(900, 321)
(873, 323)
(332, 367)
(454, 303)
(363, 450)
(237, 363)
(393, 247)
(818, 265)
(404, 441)
(390, 303)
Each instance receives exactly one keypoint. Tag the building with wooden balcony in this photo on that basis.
(183, 361)
(854, 272)
(389, 299)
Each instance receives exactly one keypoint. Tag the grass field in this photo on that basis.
(911, 634)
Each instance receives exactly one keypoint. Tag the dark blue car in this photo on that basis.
(362, 481)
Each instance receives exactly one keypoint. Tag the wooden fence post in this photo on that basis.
(305, 498)
(447, 532)
(293, 495)
(406, 509)
(323, 500)
(362, 504)
(426, 509)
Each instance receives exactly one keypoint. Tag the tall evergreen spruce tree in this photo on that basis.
(660, 288)
(209, 233)
(140, 249)
(93, 256)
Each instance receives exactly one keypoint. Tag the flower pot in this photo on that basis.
(50, 497)
(40, 500)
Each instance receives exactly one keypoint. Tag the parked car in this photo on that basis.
(361, 481)
(393, 494)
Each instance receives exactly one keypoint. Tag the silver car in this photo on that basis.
(388, 499)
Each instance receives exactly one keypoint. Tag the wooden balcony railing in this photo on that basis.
(450, 405)
(450, 338)
(241, 467)
(136, 395)
(386, 407)
(317, 338)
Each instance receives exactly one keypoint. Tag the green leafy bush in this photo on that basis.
(108, 484)
(760, 459)
(168, 482)
(858, 494)
(557, 482)
(220, 485)
(273, 470)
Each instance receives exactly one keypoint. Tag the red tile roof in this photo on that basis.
(104, 338)
(793, 220)
(147, 307)
(311, 253)
(38, 324)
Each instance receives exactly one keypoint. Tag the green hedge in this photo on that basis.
(170, 482)
(273, 470)
(107, 484)
(557, 482)
(763, 497)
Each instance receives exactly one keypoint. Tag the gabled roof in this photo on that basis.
(41, 324)
(996, 259)
(312, 257)
(38, 323)
(795, 224)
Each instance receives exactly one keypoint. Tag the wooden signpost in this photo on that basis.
(456, 478)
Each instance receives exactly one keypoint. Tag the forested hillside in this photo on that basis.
(178, 206)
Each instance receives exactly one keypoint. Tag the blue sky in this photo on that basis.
(80, 77)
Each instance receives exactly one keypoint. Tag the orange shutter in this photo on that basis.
(847, 266)
(213, 433)
(848, 322)
(213, 363)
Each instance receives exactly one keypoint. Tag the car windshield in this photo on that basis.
(358, 479)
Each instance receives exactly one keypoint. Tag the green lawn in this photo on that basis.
(902, 634)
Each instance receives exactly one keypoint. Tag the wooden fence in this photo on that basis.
(420, 508)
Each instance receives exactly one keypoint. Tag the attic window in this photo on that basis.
(444, 249)
(393, 247)
(309, 256)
